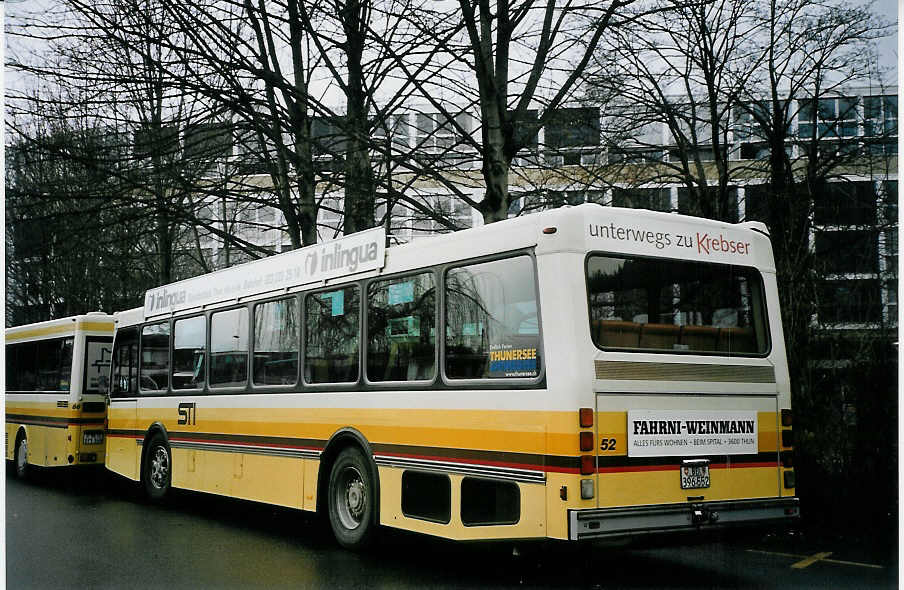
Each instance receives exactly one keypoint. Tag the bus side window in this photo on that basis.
(492, 325)
(154, 370)
(26, 366)
(124, 370)
(229, 348)
(189, 339)
(276, 343)
(54, 364)
(401, 329)
(12, 381)
(332, 323)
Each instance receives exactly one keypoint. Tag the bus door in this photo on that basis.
(123, 454)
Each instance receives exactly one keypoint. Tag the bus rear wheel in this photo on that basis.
(21, 457)
(157, 469)
(351, 499)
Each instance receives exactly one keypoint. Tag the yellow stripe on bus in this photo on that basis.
(63, 329)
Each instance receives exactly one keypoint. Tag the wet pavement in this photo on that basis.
(93, 530)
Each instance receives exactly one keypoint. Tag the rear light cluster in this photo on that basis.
(787, 454)
(586, 443)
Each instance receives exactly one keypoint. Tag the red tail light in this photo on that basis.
(586, 441)
(585, 417)
(587, 465)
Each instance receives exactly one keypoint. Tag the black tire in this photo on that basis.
(351, 499)
(157, 471)
(20, 457)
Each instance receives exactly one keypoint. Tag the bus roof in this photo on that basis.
(95, 321)
(588, 227)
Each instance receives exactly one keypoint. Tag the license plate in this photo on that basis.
(93, 437)
(694, 476)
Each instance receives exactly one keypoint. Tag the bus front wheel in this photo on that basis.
(351, 499)
(21, 457)
(157, 469)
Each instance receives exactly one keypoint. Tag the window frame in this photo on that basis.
(504, 382)
(141, 392)
(249, 334)
(174, 321)
(767, 317)
(299, 340)
(126, 394)
(84, 371)
(365, 330)
(303, 351)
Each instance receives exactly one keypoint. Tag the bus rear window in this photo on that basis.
(676, 306)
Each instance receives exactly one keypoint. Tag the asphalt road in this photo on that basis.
(95, 531)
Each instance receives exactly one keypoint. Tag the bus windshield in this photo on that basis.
(676, 306)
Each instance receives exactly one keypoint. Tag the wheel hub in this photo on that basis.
(355, 497)
(351, 498)
(159, 467)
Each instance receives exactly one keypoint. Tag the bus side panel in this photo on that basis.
(274, 480)
(45, 426)
(531, 524)
(12, 429)
(277, 480)
(123, 453)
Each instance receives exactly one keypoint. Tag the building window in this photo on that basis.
(329, 216)
(880, 114)
(526, 132)
(828, 118)
(328, 136)
(437, 132)
(208, 144)
(573, 127)
(396, 126)
(745, 127)
(654, 199)
(839, 252)
(446, 207)
(561, 198)
(756, 202)
(845, 203)
(162, 141)
(891, 252)
(853, 301)
(635, 155)
(688, 202)
(891, 201)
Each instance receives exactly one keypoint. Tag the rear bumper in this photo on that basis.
(640, 520)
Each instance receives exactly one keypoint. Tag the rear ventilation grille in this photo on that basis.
(638, 371)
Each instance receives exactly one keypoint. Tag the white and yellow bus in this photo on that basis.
(579, 373)
(56, 382)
